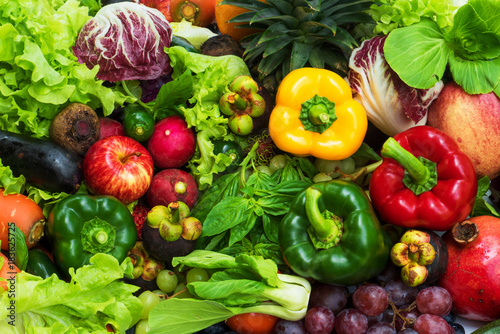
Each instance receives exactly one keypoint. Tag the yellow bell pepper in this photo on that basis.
(316, 115)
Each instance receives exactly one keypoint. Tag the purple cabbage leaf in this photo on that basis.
(390, 104)
(127, 41)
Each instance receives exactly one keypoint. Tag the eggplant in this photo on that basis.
(43, 163)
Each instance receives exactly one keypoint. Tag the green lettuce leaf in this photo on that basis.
(470, 49)
(209, 80)
(39, 74)
(392, 14)
(94, 298)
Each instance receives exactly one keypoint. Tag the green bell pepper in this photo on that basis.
(332, 234)
(80, 226)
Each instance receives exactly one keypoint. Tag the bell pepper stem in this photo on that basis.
(418, 172)
(100, 237)
(327, 227)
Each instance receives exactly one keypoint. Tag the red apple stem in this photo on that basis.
(465, 232)
(128, 156)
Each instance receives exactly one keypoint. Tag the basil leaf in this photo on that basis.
(225, 186)
(276, 204)
(261, 181)
(365, 151)
(271, 225)
(418, 53)
(307, 167)
(240, 230)
(228, 213)
(173, 93)
(21, 249)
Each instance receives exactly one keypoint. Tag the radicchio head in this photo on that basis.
(391, 105)
(127, 41)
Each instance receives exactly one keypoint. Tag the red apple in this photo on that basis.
(118, 166)
(162, 5)
(473, 121)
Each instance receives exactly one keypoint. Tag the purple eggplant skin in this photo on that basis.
(42, 162)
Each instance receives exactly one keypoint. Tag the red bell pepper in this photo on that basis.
(424, 181)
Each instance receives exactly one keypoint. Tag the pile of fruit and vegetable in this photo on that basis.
(250, 166)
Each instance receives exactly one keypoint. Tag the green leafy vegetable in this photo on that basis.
(95, 297)
(238, 285)
(470, 48)
(481, 205)
(392, 14)
(206, 79)
(21, 250)
(39, 73)
(240, 214)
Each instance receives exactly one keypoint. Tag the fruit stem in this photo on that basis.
(465, 232)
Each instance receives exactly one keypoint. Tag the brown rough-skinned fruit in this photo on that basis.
(76, 127)
(473, 121)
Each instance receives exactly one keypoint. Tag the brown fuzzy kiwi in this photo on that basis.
(76, 127)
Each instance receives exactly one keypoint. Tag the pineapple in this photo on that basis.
(299, 33)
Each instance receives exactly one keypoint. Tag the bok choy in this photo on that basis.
(240, 284)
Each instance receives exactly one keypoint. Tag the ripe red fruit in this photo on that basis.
(471, 276)
(140, 213)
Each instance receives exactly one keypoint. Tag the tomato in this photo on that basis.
(25, 214)
(199, 12)
(252, 323)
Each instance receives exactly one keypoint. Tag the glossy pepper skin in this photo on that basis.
(302, 122)
(356, 252)
(444, 196)
(81, 225)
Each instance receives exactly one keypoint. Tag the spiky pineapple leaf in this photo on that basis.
(265, 14)
(284, 7)
(316, 4)
(252, 5)
(274, 31)
(277, 45)
(311, 26)
(316, 58)
(268, 64)
(300, 55)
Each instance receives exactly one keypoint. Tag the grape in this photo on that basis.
(381, 328)
(196, 275)
(389, 273)
(149, 299)
(319, 320)
(371, 299)
(184, 294)
(166, 280)
(277, 162)
(408, 331)
(434, 300)
(400, 293)
(431, 324)
(459, 329)
(289, 327)
(218, 328)
(351, 321)
(332, 296)
(450, 318)
(410, 315)
(386, 316)
(142, 327)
